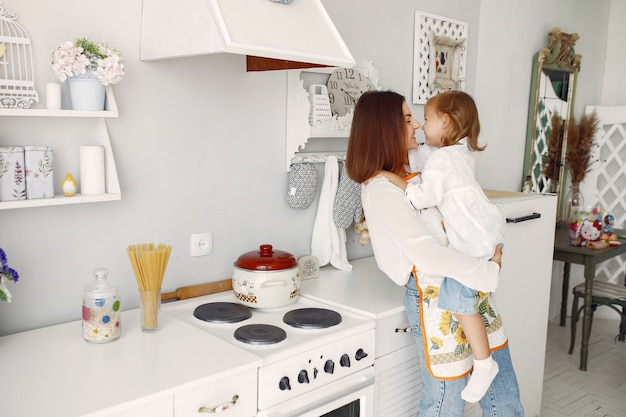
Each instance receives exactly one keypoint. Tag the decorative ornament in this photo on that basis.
(17, 88)
(69, 185)
(364, 233)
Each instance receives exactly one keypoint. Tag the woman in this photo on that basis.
(410, 247)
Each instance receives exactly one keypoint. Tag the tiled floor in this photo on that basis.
(568, 392)
(599, 392)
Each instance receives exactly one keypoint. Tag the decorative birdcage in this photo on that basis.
(17, 88)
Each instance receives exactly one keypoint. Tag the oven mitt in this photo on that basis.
(347, 207)
(302, 185)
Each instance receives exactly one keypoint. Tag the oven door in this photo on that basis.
(352, 396)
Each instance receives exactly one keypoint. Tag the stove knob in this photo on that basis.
(344, 361)
(303, 377)
(284, 384)
(360, 354)
(329, 367)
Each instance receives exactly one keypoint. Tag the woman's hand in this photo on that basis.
(497, 256)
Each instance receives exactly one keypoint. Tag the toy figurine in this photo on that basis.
(69, 185)
(609, 220)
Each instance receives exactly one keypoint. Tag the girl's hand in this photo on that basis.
(497, 256)
(394, 179)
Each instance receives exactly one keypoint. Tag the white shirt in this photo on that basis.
(473, 224)
(400, 240)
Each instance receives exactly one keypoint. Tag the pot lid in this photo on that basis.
(266, 259)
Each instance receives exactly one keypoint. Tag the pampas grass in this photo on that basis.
(579, 142)
(554, 142)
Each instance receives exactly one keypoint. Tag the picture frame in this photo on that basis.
(445, 62)
(449, 36)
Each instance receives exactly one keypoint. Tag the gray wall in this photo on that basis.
(199, 142)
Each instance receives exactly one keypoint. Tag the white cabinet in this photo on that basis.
(235, 396)
(523, 294)
(163, 407)
(111, 179)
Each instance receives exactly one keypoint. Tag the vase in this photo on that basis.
(86, 92)
(575, 206)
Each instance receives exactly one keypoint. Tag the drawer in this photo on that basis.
(220, 393)
(163, 407)
(387, 339)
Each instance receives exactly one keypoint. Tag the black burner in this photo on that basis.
(222, 312)
(312, 318)
(260, 334)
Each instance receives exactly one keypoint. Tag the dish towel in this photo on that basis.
(328, 242)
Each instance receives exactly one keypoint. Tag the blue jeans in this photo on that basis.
(443, 398)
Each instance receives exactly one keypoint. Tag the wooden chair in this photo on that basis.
(604, 294)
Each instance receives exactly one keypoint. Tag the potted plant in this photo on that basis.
(6, 274)
(87, 64)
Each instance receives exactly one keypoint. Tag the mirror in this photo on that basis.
(553, 84)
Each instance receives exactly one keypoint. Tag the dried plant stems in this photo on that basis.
(579, 141)
(552, 159)
(149, 264)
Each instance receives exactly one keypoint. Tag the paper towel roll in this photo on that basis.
(53, 96)
(92, 170)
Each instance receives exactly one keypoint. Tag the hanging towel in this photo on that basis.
(347, 208)
(328, 242)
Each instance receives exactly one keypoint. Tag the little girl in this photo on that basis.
(472, 223)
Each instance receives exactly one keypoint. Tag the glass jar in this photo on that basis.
(101, 309)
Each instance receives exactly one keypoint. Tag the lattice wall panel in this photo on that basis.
(442, 26)
(611, 177)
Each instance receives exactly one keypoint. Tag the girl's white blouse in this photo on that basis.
(402, 237)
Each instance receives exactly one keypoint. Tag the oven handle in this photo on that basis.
(365, 380)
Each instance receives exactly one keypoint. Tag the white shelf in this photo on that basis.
(111, 180)
(110, 110)
(298, 129)
(59, 200)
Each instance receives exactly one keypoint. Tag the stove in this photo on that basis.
(306, 348)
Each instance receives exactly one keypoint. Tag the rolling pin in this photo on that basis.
(198, 290)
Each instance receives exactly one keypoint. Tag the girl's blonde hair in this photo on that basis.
(463, 114)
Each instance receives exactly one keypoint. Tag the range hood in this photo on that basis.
(298, 31)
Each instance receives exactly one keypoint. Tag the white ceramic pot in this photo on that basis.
(266, 278)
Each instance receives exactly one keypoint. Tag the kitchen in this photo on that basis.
(195, 136)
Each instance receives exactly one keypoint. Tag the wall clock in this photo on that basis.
(345, 86)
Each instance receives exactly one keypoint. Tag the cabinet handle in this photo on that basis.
(221, 407)
(523, 218)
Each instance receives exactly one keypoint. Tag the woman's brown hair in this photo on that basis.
(461, 109)
(377, 136)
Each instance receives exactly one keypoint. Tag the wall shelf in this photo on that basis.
(113, 192)
(298, 130)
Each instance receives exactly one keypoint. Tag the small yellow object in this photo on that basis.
(69, 185)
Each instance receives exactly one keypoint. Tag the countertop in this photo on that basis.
(365, 289)
(53, 371)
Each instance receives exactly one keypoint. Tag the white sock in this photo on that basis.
(484, 372)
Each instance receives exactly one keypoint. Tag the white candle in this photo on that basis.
(53, 96)
(92, 170)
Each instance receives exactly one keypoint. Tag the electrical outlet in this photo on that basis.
(201, 244)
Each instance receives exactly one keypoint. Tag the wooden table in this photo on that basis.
(589, 258)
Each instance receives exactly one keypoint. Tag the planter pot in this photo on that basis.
(86, 92)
